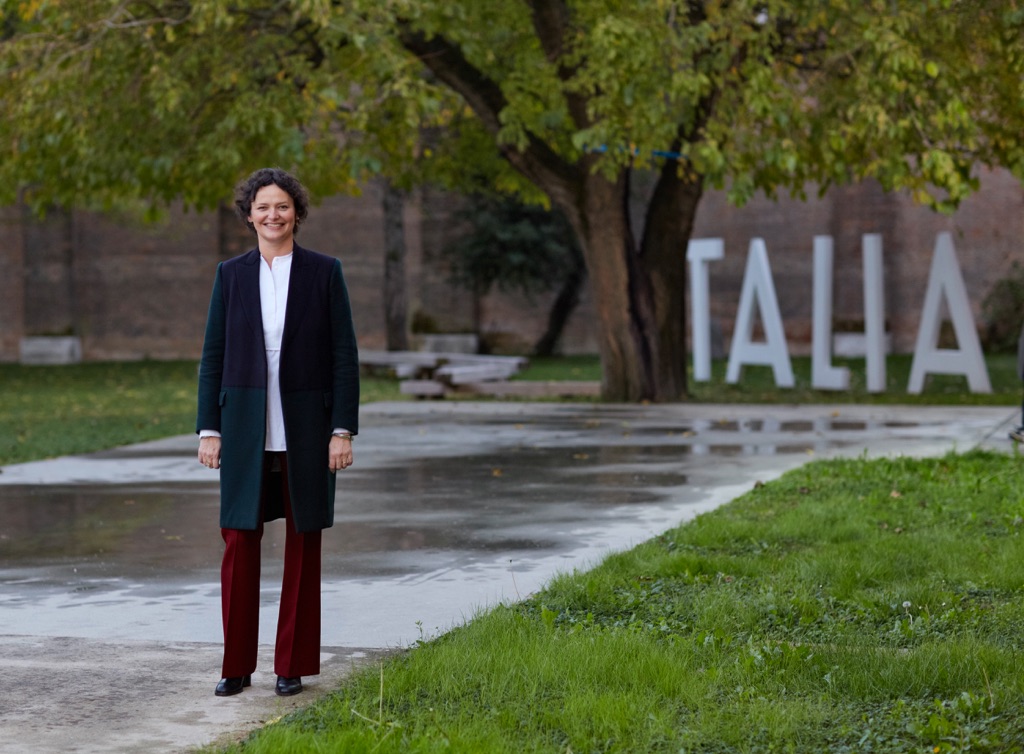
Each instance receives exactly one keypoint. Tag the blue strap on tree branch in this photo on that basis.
(654, 152)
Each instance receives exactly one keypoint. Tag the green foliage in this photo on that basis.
(511, 245)
(849, 606)
(105, 100)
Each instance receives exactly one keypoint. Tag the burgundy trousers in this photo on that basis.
(297, 650)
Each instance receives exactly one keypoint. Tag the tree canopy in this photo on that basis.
(562, 99)
(522, 248)
(511, 246)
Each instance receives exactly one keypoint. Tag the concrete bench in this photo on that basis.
(422, 388)
(465, 343)
(467, 359)
(400, 364)
(432, 375)
(390, 359)
(50, 350)
(461, 374)
(535, 389)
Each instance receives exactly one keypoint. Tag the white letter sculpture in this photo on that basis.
(758, 286)
(874, 312)
(824, 376)
(698, 254)
(946, 280)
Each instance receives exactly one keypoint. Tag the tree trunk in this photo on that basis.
(565, 304)
(667, 230)
(638, 290)
(395, 300)
(623, 322)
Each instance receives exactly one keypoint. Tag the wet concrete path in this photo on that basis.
(109, 596)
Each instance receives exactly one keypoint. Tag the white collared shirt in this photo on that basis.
(274, 278)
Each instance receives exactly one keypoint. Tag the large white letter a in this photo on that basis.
(758, 287)
(945, 280)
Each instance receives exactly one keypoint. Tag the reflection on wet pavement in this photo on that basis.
(449, 507)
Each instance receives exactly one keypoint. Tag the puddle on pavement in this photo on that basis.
(99, 523)
(695, 427)
(521, 498)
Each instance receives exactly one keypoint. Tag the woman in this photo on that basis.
(278, 407)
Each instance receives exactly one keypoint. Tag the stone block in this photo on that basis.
(50, 350)
(450, 343)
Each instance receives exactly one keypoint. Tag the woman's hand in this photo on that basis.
(339, 453)
(209, 452)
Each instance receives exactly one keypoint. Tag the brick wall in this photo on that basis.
(12, 303)
(143, 291)
(352, 229)
(134, 291)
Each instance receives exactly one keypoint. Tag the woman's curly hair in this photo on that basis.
(245, 194)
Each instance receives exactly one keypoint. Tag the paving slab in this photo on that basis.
(109, 596)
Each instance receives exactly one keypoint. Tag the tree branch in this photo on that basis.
(551, 23)
(538, 162)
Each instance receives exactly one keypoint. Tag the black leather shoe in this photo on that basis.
(232, 686)
(288, 686)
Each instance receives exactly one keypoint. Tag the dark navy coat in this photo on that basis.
(319, 385)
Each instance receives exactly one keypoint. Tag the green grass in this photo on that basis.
(850, 606)
(577, 367)
(757, 384)
(49, 411)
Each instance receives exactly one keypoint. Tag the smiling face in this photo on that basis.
(273, 217)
